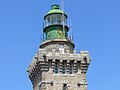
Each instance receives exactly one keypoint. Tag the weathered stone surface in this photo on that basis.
(56, 65)
(43, 76)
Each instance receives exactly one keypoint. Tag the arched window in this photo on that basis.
(64, 67)
(71, 68)
(56, 67)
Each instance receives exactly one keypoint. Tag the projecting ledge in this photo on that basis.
(56, 40)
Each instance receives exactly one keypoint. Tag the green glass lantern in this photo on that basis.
(55, 24)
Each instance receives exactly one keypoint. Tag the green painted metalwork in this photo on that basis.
(54, 34)
(55, 30)
(55, 11)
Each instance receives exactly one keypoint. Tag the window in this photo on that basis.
(85, 59)
(71, 68)
(50, 63)
(44, 57)
(64, 86)
(64, 67)
(55, 19)
(78, 65)
(51, 83)
(56, 67)
(78, 85)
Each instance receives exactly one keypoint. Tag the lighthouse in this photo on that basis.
(56, 65)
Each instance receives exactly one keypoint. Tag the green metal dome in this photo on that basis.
(55, 9)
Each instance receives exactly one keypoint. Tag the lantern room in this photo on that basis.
(55, 24)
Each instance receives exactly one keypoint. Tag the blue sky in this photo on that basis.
(95, 26)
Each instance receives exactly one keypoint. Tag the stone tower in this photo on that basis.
(56, 65)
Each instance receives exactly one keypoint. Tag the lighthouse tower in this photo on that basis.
(56, 65)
